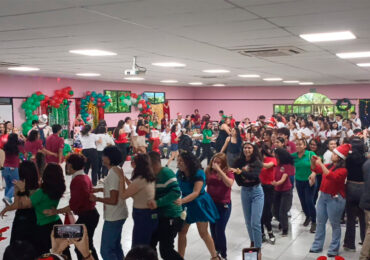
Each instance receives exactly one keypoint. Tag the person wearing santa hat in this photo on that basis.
(332, 201)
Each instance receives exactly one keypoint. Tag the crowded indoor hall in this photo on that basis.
(184, 129)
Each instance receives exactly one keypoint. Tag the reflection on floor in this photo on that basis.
(295, 246)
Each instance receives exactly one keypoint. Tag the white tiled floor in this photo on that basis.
(295, 246)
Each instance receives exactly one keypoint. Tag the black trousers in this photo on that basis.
(44, 240)
(24, 226)
(266, 218)
(123, 149)
(353, 196)
(92, 161)
(206, 153)
(102, 170)
(165, 235)
(282, 204)
(90, 219)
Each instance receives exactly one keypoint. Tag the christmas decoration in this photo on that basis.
(39, 100)
(94, 104)
(138, 101)
(344, 101)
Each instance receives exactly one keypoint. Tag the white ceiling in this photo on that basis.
(200, 33)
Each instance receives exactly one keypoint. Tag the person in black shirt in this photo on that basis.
(247, 169)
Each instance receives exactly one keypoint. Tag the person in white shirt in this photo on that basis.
(356, 122)
(324, 132)
(334, 130)
(332, 144)
(115, 208)
(305, 131)
(180, 120)
(339, 120)
(165, 139)
(346, 130)
(106, 140)
(88, 142)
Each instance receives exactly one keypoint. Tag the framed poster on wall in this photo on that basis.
(116, 107)
(155, 97)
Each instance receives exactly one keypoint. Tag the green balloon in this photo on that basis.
(41, 97)
(71, 92)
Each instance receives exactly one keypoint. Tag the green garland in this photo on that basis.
(340, 102)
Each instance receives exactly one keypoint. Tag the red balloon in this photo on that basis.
(46, 98)
(99, 104)
(110, 100)
(99, 99)
(38, 93)
(57, 105)
(103, 104)
(88, 93)
(92, 99)
(69, 88)
(58, 92)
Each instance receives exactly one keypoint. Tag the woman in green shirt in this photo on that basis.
(47, 197)
(206, 143)
(306, 191)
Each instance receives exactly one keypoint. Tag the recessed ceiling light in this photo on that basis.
(291, 81)
(354, 55)
(272, 79)
(88, 74)
(93, 52)
(305, 83)
(219, 85)
(169, 81)
(134, 78)
(23, 68)
(249, 76)
(195, 83)
(327, 37)
(169, 64)
(216, 71)
(363, 64)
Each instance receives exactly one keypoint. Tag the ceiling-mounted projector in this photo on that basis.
(136, 69)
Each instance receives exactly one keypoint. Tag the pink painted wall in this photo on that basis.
(240, 101)
(251, 102)
(24, 86)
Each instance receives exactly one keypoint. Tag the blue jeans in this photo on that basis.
(145, 223)
(306, 195)
(218, 228)
(111, 248)
(332, 208)
(10, 174)
(252, 202)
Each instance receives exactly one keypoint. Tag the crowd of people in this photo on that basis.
(325, 158)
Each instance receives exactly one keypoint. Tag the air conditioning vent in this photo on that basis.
(362, 80)
(4, 64)
(207, 77)
(267, 52)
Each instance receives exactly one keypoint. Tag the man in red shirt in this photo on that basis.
(285, 133)
(196, 118)
(79, 203)
(55, 144)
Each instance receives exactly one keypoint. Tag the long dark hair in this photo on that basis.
(283, 156)
(357, 158)
(255, 158)
(143, 168)
(86, 130)
(40, 163)
(265, 150)
(53, 183)
(192, 164)
(29, 174)
(33, 136)
(118, 128)
(173, 129)
(11, 147)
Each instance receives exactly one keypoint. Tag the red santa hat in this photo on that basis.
(343, 150)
